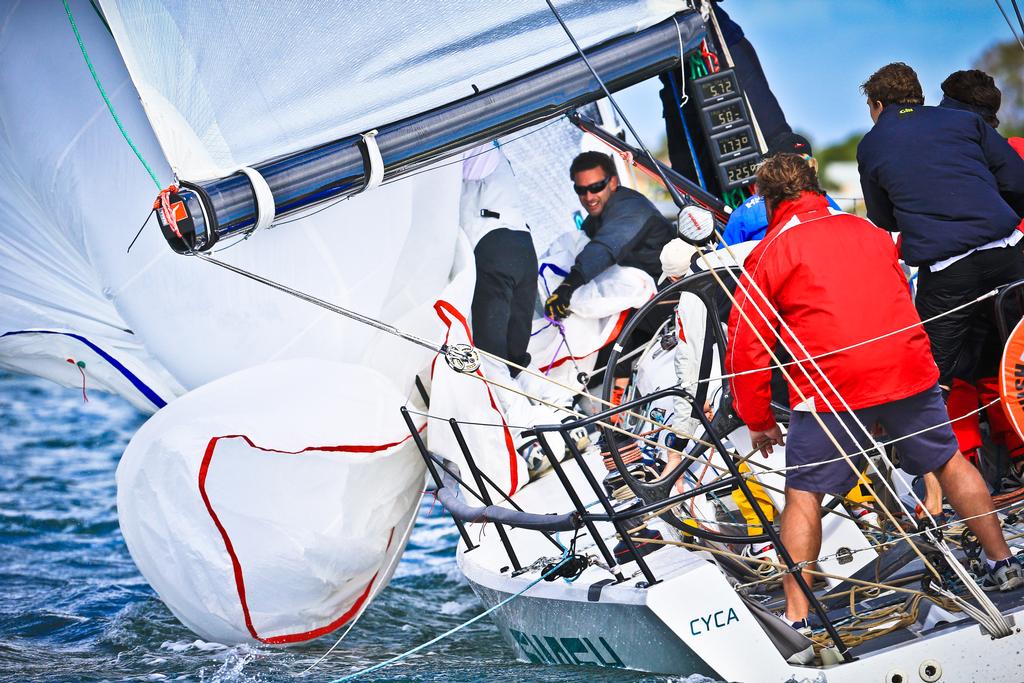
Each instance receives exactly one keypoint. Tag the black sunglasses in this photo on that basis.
(592, 188)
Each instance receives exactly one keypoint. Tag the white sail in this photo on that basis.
(77, 306)
(232, 84)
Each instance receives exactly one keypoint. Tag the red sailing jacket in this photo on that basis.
(835, 280)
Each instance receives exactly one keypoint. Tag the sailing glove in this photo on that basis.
(557, 305)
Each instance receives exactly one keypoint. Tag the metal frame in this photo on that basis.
(618, 518)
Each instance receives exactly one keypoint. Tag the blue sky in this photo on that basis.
(817, 52)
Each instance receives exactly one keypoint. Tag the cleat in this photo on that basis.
(621, 550)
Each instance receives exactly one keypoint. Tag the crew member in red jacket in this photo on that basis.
(833, 279)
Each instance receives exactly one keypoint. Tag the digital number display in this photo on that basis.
(732, 143)
(740, 171)
(717, 87)
(727, 115)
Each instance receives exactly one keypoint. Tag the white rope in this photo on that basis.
(998, 624)
(266, 210)
(718, 378)
(791, 468)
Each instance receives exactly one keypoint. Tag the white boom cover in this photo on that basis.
(271, 520)
(232, 84)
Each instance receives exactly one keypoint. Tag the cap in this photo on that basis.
(791, 143)
(675, 259)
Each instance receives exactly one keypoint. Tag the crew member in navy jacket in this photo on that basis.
(954, 189)
(624, 228)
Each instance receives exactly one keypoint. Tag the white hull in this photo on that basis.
(692, 621)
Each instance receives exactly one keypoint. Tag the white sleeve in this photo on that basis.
(691, 325)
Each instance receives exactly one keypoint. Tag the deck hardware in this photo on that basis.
(930, 671)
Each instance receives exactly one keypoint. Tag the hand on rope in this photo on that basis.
(557, 305)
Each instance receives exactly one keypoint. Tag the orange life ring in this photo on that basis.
(1011, 378)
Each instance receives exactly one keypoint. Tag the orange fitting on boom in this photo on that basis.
(169, 211)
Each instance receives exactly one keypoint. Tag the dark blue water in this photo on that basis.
(73, 607)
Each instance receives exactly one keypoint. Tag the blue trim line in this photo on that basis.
(686, 130)
(129, 375)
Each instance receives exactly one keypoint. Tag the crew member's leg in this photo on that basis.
(523, 258)
(928, 445)
(814, 467)
(766, 108)
(967, 493)
(801, 535)
(492, 298)
(940, 293)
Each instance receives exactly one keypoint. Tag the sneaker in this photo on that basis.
(761, 551)
(866, 519)
(802, 627)
(1011, 481)
(1006, 575)
(806, 655)
(537, 464)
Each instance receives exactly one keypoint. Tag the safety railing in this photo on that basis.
(448, 481)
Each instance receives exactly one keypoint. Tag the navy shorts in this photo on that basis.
(819, 467)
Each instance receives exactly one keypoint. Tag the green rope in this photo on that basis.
(389, 662)
(96, 78)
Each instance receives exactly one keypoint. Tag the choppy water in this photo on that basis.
(73, 607)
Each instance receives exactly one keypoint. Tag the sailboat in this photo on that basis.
(295, 317)
(270, 496)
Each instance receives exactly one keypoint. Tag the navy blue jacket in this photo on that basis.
(630, 232)
(943, 178)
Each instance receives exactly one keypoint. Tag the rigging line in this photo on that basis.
(822, 558)
(983, 297)
(397, 658)
(782, 470)
(358, 317)
(609, 426)
(144, 223)
(672, 191)
(1010, 24)
(998, 624)
(789, 378)
(378, 587)
(390, 329)
(1016, 10)
(994, 622)
(755, 288)
(466, 422)
(103, 92)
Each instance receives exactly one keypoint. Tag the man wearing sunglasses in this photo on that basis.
(624, 228)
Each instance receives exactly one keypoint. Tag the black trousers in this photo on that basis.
(966, 344)
(506, 291)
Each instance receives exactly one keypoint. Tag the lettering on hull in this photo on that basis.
(710, 622)
(581, 651)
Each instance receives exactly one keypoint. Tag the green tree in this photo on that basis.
(1005, 63)
(846, 150)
